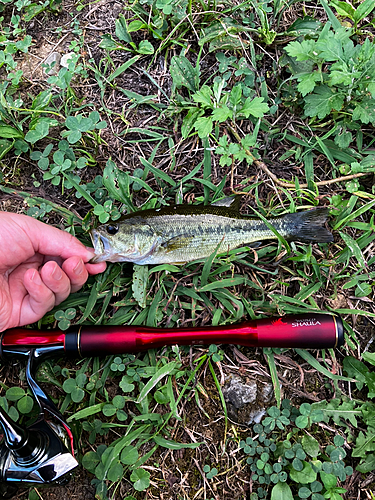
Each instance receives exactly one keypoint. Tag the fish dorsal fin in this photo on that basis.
(177, 242)
(232, 202)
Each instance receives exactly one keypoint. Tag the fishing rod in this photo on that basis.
(43, 453)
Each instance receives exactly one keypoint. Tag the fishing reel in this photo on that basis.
(41, 454)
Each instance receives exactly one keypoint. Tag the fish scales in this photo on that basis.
(183, 233)
(206, 231)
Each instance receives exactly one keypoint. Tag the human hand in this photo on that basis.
(39, 267)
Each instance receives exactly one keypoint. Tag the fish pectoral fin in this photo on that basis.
(255, 244)
(232, 202)
(177, 242)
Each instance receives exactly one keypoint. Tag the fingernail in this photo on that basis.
(57, 273)
(78, 269)
(91, 252)
(35, 278)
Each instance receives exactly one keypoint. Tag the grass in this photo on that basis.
(172, 101)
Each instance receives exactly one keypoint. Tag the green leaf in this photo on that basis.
(235, 95)
(304, 492)
(329, 480)
(300, 50)
(70, 314)
(305, 476)
(254, 107)
(81, 379)
(337, 411)
(369, 357)
(117, 183)
(101, 488)
(115, 472)
(281, 491)
(109, 410)
(145, 47)
(354, 248)
(25, 404)
(90, 461)
(189, 121)
(363, 290)
(129, 455)
(157, 172)
(310, 445)
(121, 69)
(122, 29)
(8, 132)
(42, 100)
(355, 369)
(125, 384)
(364, 443)
(141, 479)
(343, 9)
(221, 114)
(364, 111)
(161, 398)
(13, 413)
(203, 126)
(139, 285)
(119, 402)
(302, 421)
(183, 73)
(86, 412)
(173, 445)
(368, 464)
(315, 364)
(304, 26)
(203, 96)
(343, 139)
(216, 285)
(323, 101)
(39, 132)
(77, 394)
(307, 82)
(14, 393)
(155, 379)
(336, 25)
(74, 136)
(5, 147)
(363, 10)
(108, 43)
(275, 379)
(136, 26)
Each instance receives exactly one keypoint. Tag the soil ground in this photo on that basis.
(174, 475)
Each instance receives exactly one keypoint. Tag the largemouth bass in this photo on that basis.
(182, 233)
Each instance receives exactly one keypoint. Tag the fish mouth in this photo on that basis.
(101, 247)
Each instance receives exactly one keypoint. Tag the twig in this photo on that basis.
(284, 184)
(204, 478)
(52, 50)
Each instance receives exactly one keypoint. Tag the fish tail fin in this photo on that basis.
(309, 226)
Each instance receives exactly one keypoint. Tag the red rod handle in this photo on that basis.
(314, 330)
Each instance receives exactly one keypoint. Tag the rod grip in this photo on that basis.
(313, 330)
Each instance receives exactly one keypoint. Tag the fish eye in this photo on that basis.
(112, 228)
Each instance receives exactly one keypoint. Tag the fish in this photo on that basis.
(178, 234)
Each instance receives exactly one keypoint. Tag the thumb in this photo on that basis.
(48, 240)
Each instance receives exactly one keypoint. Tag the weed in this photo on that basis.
(221, 107)
(287, 461)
